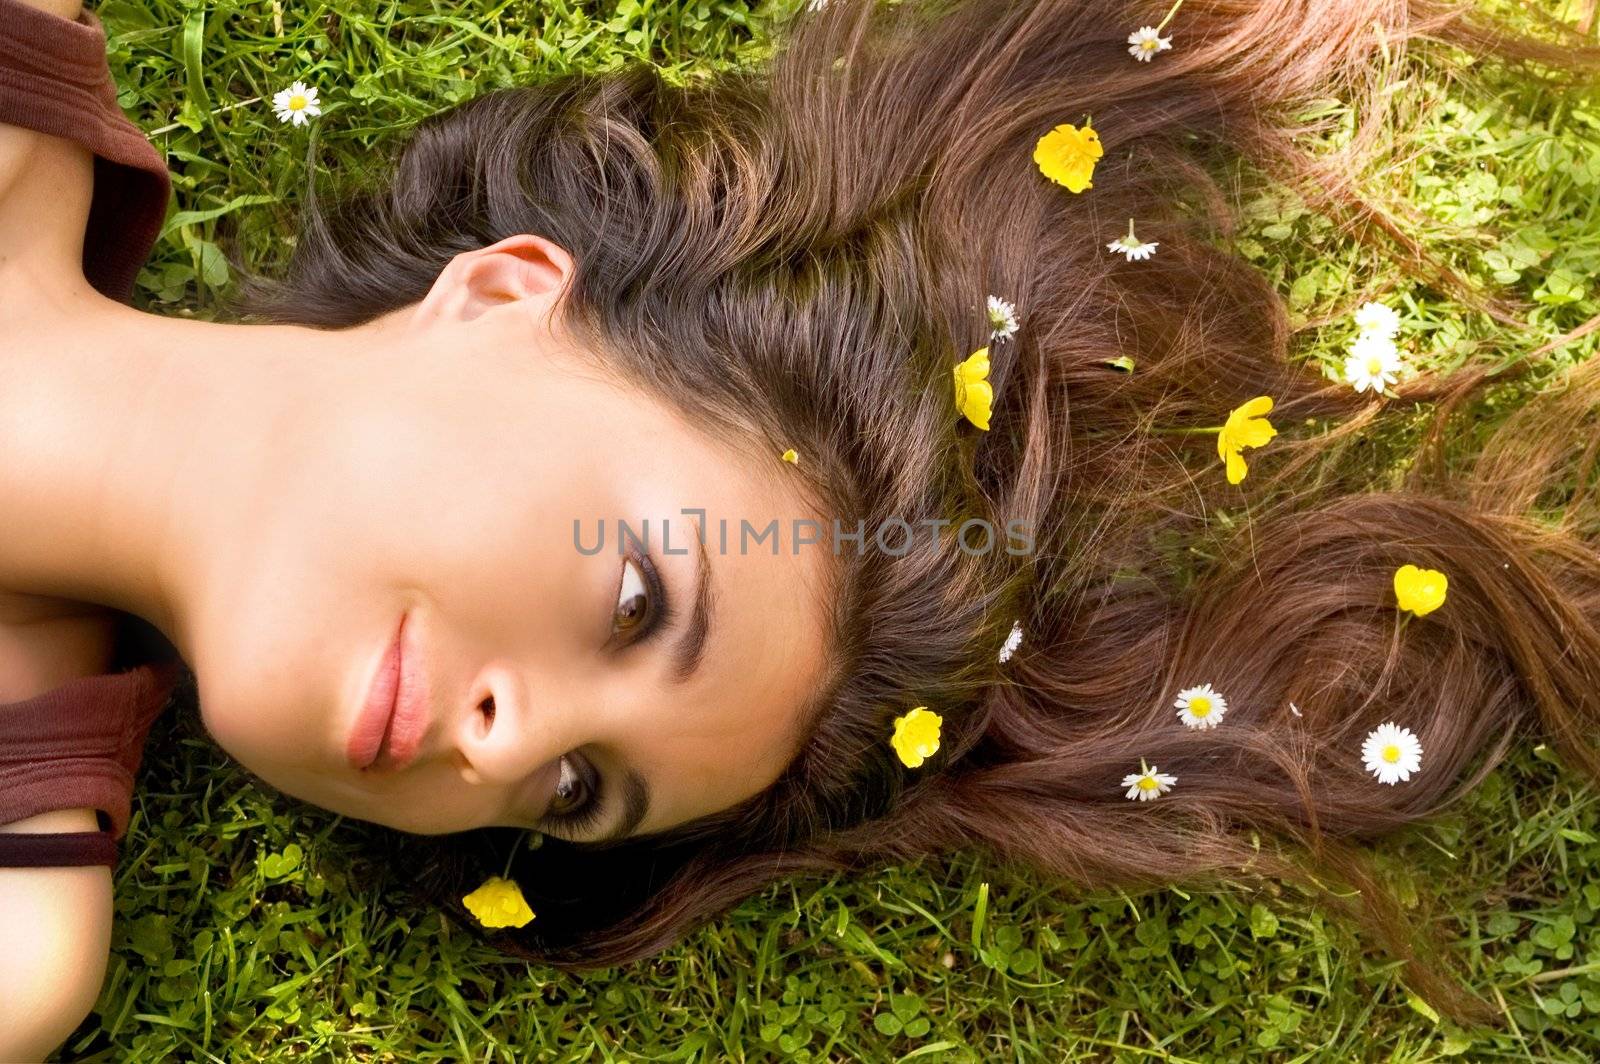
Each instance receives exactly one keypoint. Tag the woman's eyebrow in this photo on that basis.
(691, 645)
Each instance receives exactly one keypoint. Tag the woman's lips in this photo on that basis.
(366, 738)
(394, 719)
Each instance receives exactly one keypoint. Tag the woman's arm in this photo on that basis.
(64, 8)
(55, 939)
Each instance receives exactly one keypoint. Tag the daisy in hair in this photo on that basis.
(1002, 318)
(1145, 42)
(1391, 753)
(1132, 247)
(1147, 784)
(1200, 707)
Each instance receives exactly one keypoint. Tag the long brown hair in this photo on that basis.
(798, 256)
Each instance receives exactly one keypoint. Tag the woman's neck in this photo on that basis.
(132, 446)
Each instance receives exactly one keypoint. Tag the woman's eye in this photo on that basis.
(642, 609)
(633, 603)
(572, 792)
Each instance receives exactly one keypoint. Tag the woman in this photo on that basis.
(608, 300)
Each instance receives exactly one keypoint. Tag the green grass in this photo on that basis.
(251, 927)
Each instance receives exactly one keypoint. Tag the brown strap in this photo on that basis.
(22, 849)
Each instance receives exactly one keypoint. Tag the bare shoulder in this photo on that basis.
(55, 939)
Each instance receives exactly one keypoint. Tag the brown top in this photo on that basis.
(54, 78)
(80, 744)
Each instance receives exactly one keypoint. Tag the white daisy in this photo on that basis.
(1377, 318)
(816, 5)
(1373, 363)
(1148, 784)
(1013, 641)
(1002, 318)
(1201, 707)
(1145, 42)
(1392, 753)
(1132, 246)
(297, 103)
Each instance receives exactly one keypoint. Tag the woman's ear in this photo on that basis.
(523, 269)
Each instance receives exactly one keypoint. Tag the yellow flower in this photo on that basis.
(1067, 154)
(974, 393)
(498, 903)
(916, 736)
(1246, 427)
(1420, 590)
(791, 456)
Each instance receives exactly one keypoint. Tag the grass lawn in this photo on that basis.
(250, 927)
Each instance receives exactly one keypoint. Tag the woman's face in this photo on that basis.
(443, 490)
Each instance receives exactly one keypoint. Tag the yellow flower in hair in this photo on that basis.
(1245, 427)
(974, 393)
(791, 456)
(1420, 590)
(498, 903)
(1067, 154)
(916, 736)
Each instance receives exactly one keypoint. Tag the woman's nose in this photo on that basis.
(497, 740)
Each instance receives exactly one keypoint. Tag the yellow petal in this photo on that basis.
(1254, 432)
(792, 456)
(975, 367)
(979, 404)
(1261, 404)
(974, 394)
(1236, 467)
